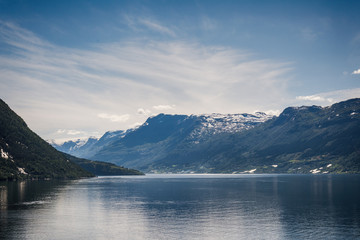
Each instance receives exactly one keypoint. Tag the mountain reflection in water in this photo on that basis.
(183, 207)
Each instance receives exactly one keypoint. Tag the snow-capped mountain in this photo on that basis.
(211, 124)
(164, 134)
(204, 126)
(86, 148)
(73, 147)
(308, 139)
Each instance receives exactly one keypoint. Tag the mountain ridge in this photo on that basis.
(208, 124)
(300, 140)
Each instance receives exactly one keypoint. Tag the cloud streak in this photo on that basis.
(156, 27)
(67, 87)
(147, 23)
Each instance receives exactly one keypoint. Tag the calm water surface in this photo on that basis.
(183, 207)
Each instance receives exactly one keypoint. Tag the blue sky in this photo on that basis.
(73, 69)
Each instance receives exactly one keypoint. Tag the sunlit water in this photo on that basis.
(183, 207)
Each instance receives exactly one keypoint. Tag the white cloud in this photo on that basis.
(74, 132)
(68, 132)
(142, 111)
(273, 112)
(314, 98)
(114, 118)
(327, 98)
(356, 71)
(164, 107)
(60, 131)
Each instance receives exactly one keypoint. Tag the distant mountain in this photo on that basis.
(301, 140)
(25, 155)
(307, 139)
(162, 134)
(75, 146)
(89, 147)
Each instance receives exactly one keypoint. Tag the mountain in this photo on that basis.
(308, 139)
(72, 147)
(89, 147)
(25, 155)
(162, 134)
(99, 168)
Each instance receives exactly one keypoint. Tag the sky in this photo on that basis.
(74, 69)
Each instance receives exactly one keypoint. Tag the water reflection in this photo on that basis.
(3, 197)
(184, 207)
(21, 203)
(321, 207)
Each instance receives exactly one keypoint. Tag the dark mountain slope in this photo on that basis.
(25, 155)
(102, 168)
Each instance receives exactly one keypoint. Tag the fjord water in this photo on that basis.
(183, 207)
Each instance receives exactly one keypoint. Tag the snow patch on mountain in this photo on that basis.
(22, 171)
(206, 125)
(4, 154)
(216, 123)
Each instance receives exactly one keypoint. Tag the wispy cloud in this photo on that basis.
(155, 26)
(114, 117)
(67, 87)
(164, 107)
(142, 111)
(208, 23)
(141, 23)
